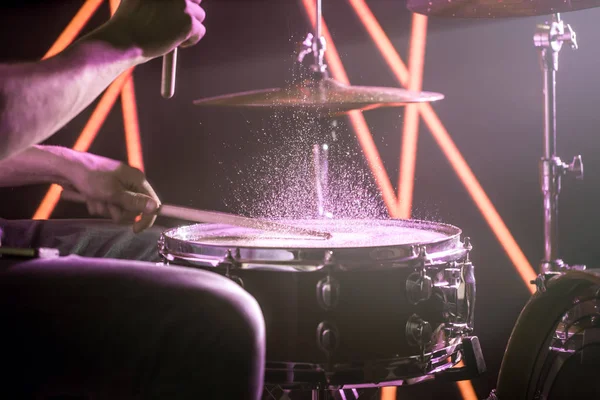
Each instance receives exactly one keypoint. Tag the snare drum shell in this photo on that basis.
(369, 319)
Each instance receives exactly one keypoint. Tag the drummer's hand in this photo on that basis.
(115, 190)
(156, 26)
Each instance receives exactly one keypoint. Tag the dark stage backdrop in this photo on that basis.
(488, 70)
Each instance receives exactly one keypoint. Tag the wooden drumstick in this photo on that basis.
(169, 70)
(196, 215)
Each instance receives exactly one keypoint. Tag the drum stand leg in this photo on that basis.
(319, 394)
(549, 38)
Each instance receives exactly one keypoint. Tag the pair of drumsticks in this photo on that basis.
(215, 217)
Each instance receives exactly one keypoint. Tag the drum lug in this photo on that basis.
(468, 246)
(328, 292)
(418, 331)
(414, 251)
(423, 256)
(328, 260)
(541, 280)
(328, 337)
(468, 278)
(452, 273)
(419, 286)
(230, 260)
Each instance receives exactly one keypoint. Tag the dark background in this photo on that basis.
(487, 69)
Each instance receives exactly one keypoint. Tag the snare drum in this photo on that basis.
(380, 302)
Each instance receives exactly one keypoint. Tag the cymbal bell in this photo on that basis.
(325, 95)
(496, 8)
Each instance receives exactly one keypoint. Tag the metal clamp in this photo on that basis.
(315, 47)
(575, 167)
(551, 36)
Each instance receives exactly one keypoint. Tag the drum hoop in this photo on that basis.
(210, 255)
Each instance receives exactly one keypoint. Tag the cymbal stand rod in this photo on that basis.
(322, 156)
(318, 42)
(319, 21)
(549, 38)
(320, 151)
(550, 177)
(321, 166)
(319, 394)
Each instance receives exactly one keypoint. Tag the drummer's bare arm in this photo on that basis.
(111, 188)
(38, 98)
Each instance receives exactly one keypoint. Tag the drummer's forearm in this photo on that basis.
(39, 98)
(39, 164)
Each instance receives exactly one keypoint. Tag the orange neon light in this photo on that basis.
(89, 132)
(48, 202)
(87, 136)
(72, 30)
(130, 115)
(358, 121)
(132, 127)
(466, 390)
(447, 145)
(113, 4)
(383, 43)
(388, 393)
(410, 135)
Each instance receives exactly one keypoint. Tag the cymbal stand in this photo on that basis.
(316, 45)
(548, 39)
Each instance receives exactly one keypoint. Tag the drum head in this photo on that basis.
(352, 242)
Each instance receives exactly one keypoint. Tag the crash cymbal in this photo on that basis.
(326, 95)
(497, 8)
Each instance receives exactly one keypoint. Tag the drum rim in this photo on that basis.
(450, 230)
(448, 246)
